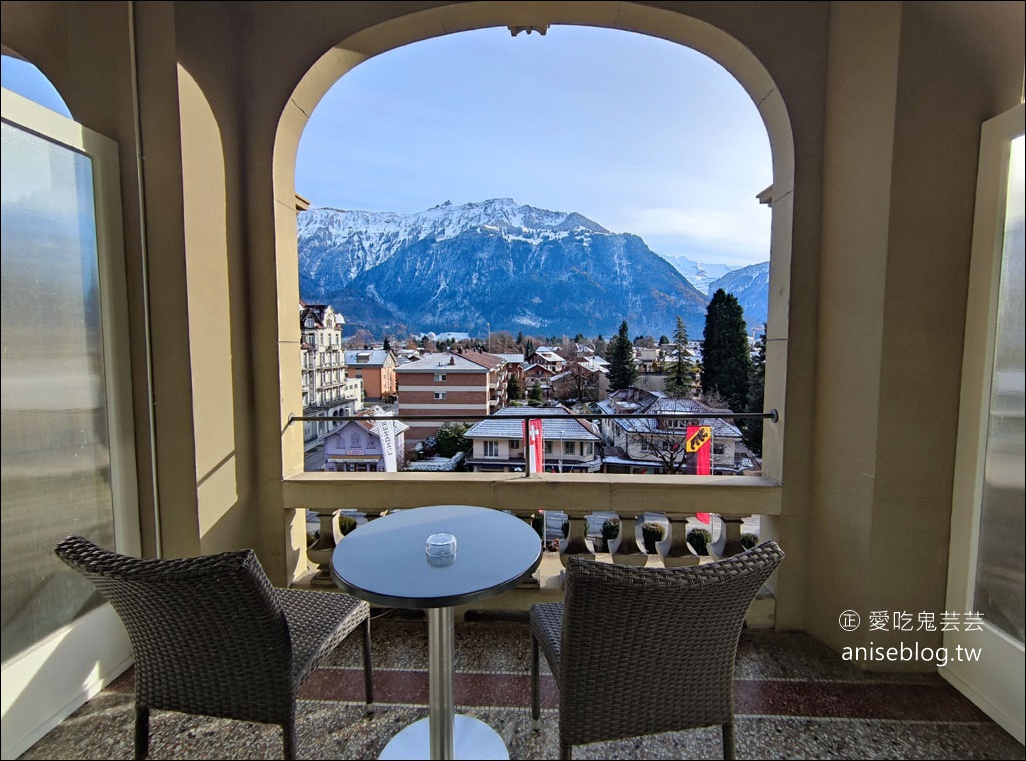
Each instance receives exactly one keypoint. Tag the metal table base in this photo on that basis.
(473, 740)
(444, 734)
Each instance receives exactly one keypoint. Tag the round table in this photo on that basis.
(384, 562)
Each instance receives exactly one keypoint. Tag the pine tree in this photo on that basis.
(622, 371)
(726, 362)
(514, 391)
(534, 396)
(679, 382)
(756, 397)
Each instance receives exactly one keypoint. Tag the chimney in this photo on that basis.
(452, 360)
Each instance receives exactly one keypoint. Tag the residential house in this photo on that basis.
(450, 383)
(548, 357)
(327, 390)
(646, 443)
(584, 380)
(376, 368)
(886, 122)
(357, 446)
(570, 444)
(542, 375)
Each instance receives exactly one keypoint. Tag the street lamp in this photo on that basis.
(489, 326)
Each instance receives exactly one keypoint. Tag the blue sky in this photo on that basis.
(639, 134)
(26, 80)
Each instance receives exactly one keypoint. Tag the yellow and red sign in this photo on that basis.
(699, 443)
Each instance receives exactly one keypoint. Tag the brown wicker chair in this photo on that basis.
(211, 635)
(638, 651)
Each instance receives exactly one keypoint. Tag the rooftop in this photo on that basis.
(662, 404)
(467, 361)
(366, 357)
(557, 424)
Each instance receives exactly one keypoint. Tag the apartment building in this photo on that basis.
(326, 389)
(376, 368)
(450, 383)
(570, 445)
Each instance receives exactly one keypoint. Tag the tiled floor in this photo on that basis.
(794, 699)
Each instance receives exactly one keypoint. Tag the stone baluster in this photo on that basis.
(628, 552)
(679, 553)
(729, 542)
(576, 543)
(320, 551)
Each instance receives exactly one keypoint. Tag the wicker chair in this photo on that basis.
(211, 635)
(638, 651)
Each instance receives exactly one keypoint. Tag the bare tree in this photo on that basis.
(502, 342)
(663, 440)
(576, 382)
(361, 337)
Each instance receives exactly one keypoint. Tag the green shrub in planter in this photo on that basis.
(538, 524)
(749, 540)
(699, 539)
(610, 529)
(346, 523)
(651, 533)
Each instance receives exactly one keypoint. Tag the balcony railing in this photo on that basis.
(546, 584)
(527, 415)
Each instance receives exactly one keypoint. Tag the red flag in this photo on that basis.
(699, 444)
(703, 517)
(535, 445)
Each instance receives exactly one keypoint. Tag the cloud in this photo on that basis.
(743, 230)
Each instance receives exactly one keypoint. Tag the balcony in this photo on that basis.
(794, 698)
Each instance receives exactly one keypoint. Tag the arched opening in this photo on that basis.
(462, 199)
(616, 492)
(699, 36)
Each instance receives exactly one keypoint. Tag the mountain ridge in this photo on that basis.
(491, 264)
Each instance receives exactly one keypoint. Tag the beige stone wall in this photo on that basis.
(873, 112)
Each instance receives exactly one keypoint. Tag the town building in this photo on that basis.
(647, 443)
(376, 368)
(327, 391)
(585, 380)
(359, 446)
(449, 383)
(570, 444)
(548, 357)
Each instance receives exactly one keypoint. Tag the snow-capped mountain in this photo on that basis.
(494, 263)
(699, 274)
(750, 285)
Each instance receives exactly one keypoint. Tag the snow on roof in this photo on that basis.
(557, 423)
(366, 357)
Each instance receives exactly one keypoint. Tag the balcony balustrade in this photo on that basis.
(673, 550)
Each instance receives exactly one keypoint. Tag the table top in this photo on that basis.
(384, 562)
